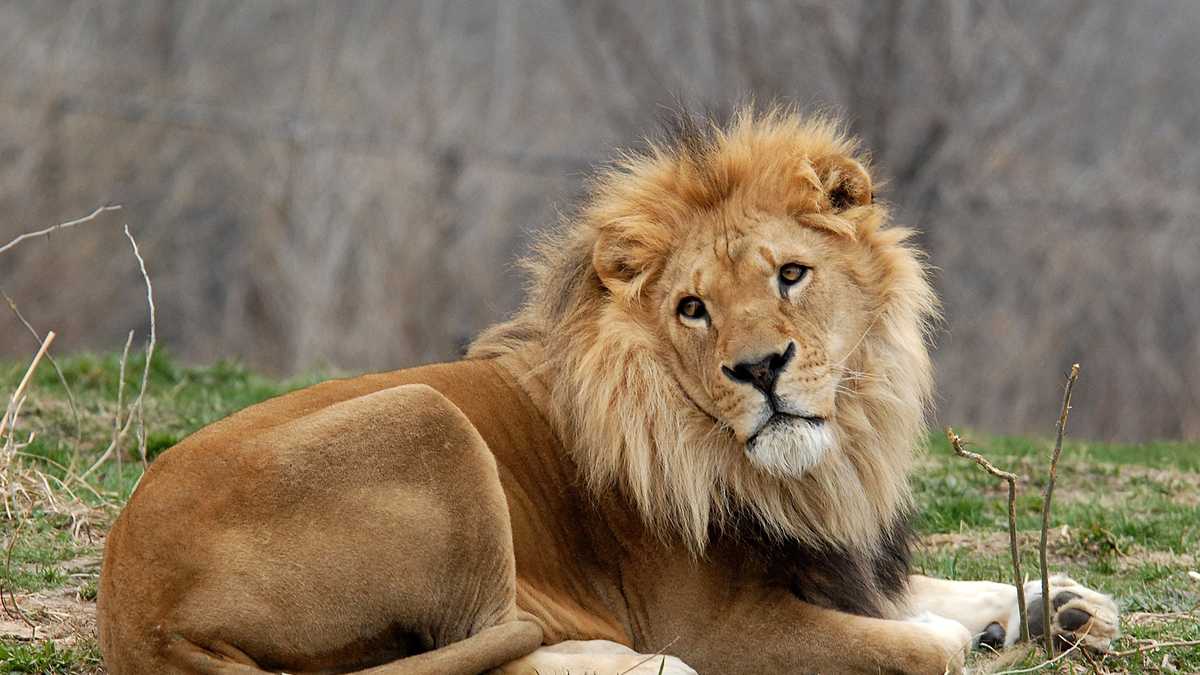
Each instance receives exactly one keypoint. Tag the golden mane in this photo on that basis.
(624, 418)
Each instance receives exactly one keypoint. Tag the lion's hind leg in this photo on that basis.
(484, 650)
(371, 533)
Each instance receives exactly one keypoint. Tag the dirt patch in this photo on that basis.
(976, 542)
(60, 616)
(994, 543)
(1138, 556)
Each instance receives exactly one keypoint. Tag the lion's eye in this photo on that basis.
(792, 273)
(691, 308)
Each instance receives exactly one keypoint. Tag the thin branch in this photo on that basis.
(62, 379)
(20, 613)
(120, 423)
(61, 226)
(1011, 478)
(137, 408)
(1047, 633)
(1043, 664)
(118, 433)
(10, 411)
(140, 403)
(655, 655)
(1152, 646)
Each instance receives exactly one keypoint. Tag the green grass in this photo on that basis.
(47, 657)
(1132, 518)
(1131, 511)
(54, 551)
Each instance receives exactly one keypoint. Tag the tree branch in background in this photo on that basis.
(1018, 579)
(61, 226)
(1047, 633)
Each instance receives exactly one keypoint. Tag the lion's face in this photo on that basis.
(759, 319)
(728, 327)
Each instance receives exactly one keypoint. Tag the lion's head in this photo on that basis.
(730, 331)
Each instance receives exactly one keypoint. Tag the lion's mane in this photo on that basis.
(625, 419)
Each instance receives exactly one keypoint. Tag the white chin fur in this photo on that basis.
(790, 448)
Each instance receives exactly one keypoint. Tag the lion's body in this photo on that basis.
(380, 504)
(728, 482)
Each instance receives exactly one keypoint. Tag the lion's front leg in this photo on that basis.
(989, 609)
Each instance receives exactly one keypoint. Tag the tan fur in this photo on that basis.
(596, 472)
(628, 413)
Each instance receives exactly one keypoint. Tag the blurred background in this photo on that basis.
(346, 185)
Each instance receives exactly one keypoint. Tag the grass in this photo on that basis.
(1127, 519)
(1127, 516)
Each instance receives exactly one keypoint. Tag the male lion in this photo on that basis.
(693, 438)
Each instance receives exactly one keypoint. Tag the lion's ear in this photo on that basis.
(626, 256)
(845, 182)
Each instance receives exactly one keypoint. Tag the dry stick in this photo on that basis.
(140, 403)
(60, 226)
(957, 443)
(1152, 647)
(653, 656)
(117, 435)
(8, 575)
(1043, 664)
(138, 410)
(1047, 633)
(69, 471)
(62, 379)
(12, 403)
(120, 424)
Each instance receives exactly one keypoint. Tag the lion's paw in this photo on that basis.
(1078, 614)
(951, 637)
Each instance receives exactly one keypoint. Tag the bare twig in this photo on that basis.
(137, 408)
(1043, 664)
(120, 423)
(1047, 636)
(118, 433)
(61, 226)
(140, 403)
(1011, 478)
(8, 575)
(1152, 646)
(62, 379)
(14, 402)
(655, 655)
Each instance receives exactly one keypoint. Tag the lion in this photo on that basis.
(693, 439)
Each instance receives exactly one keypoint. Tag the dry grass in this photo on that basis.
(31, 493)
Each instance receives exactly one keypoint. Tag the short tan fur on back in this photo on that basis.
(696, 433)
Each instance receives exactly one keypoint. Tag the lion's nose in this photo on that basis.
(763, 373)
